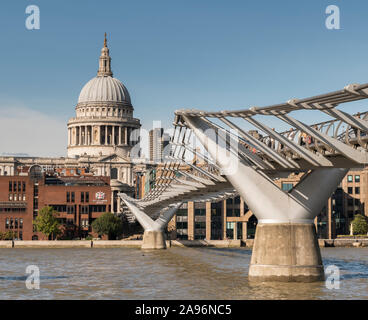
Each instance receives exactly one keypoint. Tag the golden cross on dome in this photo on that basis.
(105, 41)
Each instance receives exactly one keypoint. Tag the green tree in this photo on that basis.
(8, 235)
(360, 224)
(108, 224)
(46, 222)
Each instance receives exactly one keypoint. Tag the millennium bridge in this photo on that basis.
(238, 163)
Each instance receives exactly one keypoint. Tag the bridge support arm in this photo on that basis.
(285, 246)
(154, 236)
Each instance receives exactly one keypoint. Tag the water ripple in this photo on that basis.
(176, 273)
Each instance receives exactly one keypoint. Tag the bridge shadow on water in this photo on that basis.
(226, 251)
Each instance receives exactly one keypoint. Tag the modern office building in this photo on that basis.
(158, 143)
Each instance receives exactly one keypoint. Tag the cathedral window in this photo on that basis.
(114, 173)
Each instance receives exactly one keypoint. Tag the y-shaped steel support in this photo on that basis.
(153, 237)
(285, 246)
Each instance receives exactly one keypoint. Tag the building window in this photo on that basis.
(200, 225)
(10, 197)
(20, 223)
(16, 223)
(83, 209)
(87, 196)
(286, 186)
(85, 223)
(350, 178)
(10, 186)
(229, 212)
(35, 191)
(68, 197)
(7, 223)
(350, 190)
(15, 186)
(70, 209)
(357, 190)
(236, 212)
(82, 196)
(73, 196)
(114, 173)
(19, 186)
(357, 178)
(200, 212)
(230, 229)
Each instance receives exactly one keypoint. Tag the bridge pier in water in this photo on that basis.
(285, 246)
(153, 236)
(286, 252)
(153, 240)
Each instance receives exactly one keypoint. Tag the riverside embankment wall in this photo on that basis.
(114, 243)
(169, 243)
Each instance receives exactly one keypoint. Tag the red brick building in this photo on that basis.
(78, 198)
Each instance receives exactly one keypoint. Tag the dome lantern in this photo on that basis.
(104, 69)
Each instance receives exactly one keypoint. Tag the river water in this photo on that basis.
(176, 273)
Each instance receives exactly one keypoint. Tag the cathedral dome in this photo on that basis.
(104, 89)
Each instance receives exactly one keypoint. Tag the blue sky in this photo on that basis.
(204, 54)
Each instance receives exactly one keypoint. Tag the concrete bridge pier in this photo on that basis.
(153, 236)
(286, 252)
(285, 246)
(153, 240)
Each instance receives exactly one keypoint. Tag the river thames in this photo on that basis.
(176, 273)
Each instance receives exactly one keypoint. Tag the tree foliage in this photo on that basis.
(8, 235)
(108, 224)
(46, 222)
(360, 224)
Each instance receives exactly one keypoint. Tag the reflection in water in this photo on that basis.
(176, 273)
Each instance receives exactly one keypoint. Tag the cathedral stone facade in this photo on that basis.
(100, 136)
